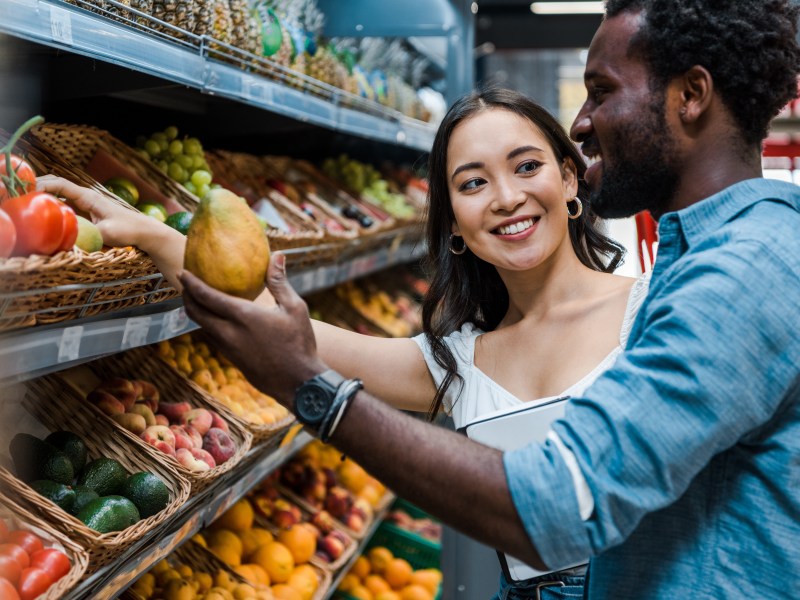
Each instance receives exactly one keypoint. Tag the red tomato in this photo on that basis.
(16, 552)
(3, 526)
(33, 583)
(39, 222)
(10, 569)
(30, 542)
(7, 590)
(54, 562)
(8, 239)
(70, 228)
(24, 173)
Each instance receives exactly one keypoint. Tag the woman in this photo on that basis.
(522, 304)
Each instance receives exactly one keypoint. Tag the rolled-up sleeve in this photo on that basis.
(713, 360)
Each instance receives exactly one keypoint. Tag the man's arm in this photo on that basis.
(460, 481)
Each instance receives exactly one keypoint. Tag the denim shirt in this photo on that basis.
(690, 445)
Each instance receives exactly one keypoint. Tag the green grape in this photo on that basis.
(187, 162)
(190, 187)
(143, 153)
(198, 161)
(164, 145)
(200, 178)
(192, 147)
(171, 132)
(202, 190)
(152, 148)
(177, 172)
(163, 165)
(176, 147)
(159, 137)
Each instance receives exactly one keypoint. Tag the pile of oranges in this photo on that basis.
(379, 575)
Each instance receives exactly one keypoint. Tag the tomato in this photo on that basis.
(10, 569)
(33, 583)
(70, 228)
(3, 526)
(54, 562)
(39, 222)
(7, 590)
(16, 552)
(24, 173)
(8, 239)
(29, 542)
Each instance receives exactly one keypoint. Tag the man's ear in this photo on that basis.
(569, 174)
(696, 87)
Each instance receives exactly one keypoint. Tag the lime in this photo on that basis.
(180, 221)
(154, 209)
(117, 184)
(89, 238)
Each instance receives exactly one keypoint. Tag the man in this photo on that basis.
(690, 447)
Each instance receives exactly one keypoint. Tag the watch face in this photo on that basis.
(312, 402)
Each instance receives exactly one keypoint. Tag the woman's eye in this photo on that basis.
(471, 184)
(528, 167)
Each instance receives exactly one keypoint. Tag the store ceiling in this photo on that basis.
(510, 24)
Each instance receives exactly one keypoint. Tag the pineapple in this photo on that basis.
(222, 25)
(245, 31)
(179, 13)
(204, 15)
(145, 6)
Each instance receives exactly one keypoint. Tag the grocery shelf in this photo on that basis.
(196, 61)
(196, 514)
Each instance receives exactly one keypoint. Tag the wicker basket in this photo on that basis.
(26, 520)
(140, 363)
(55, 407)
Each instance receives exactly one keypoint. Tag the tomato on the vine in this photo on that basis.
(17, 553)
(54, 562)
(7, 590)
(8, 239)
(70, 234)
(9, 569)
(33, 583)
(30, 542)
(24, 173)
(39, 222)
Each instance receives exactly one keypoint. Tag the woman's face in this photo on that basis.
(508, 192)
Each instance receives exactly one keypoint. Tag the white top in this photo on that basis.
(480, 394)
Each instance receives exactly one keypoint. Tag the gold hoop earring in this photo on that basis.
(453, 249)
(579, 210)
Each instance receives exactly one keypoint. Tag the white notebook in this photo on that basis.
(511, 429)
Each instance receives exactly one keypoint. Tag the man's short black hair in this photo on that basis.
(749, 47)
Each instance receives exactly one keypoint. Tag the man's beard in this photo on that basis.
(645, 176)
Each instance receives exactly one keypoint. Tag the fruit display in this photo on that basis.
(380, 575)
(100, 493)
(197, 438)
(423, 526)
(180, 158)
(207, 368)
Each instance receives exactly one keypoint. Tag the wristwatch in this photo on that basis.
(314, 397)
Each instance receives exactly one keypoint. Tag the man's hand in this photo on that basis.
(274, 347)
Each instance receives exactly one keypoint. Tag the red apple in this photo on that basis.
(199, 418)
(106, 403)
(219, 422)
(219, 445)
(174, 411)
(122, 389)
(195, 459)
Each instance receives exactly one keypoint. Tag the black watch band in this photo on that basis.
(314, 398)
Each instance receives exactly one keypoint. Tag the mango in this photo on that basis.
(226, 246)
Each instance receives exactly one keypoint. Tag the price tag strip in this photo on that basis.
(61, 25)
(69, 348)
(135, 334)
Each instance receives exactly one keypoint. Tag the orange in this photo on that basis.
(227, 554)
(376, 584)
(300, 541)
(415, 592)
(262, 536)
(304, 579)
(352, 476)
(243, 591)
(348, 582)
(276, 560)
(225, 538)
(390, 595)
(238, 517)
(282, 591)
(397, 573)
(430, 579)
(249, 542)
(361, 567)
(379, 557)
(253, 573)
(361, 593)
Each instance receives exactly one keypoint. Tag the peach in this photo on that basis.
(219, 422)
(149, 394)
(137, 388)
(144, 410)
(285, 514)
(197, 439)
(332, 546)
(106, 403)
(134, 423)
(166, 448)
(158, 433)
(174, 411)
(182, 438)
(199, 418)
(122, 389)
(323, 521)
(219, 444)
(162, 420)
(354, 521)
(338, 502)
(195, 459)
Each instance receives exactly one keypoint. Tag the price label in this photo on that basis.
(69, 348)
(61, 25)
(175, 321)
(305, 281)
(135, 334)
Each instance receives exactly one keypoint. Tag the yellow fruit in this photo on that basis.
(227, 554)
(166, 576)
(376, 584)
(276, 560)
(165, 349)
(397, 573)
(430, 579)
(352, 476)
(415, 592)
(202, 349)
(178, 589)
(348, 582)
(304, 579)
(388, 595)
(185, 571)
(226, 246)
(198, 538)
(263, 536)
(361, 568)
(249, 543)
(160, 567)
(300, 541)
(282, 591)
(224, 537)
(218, 593)
(360, 593)
(198, 362)
(184, 366)
(379, 557)
(238, 517)
(204, 581)
(224, 580)
(243, 591)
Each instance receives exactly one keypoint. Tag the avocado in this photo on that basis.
(58, 493)
(83, 496)
(35, 459)
(147, 492)
(103, 475)
(109, 513)
(71, 445)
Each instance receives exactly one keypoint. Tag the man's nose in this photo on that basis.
(581, 126)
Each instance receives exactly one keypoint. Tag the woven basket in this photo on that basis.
(27, 521)
(140, 363)
(57, 408)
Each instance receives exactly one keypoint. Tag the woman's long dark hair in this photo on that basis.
(465, 288)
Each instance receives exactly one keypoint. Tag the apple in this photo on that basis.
(219, 444)
(174, 411)
(106, 403)
(134, 423)
(122, 389)
(219, 422)
(182, 438)
(144, 410)
(159, 433)
(195, 459)
(338, 502)
(162, 420)
(199, 418)
(332, 546)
